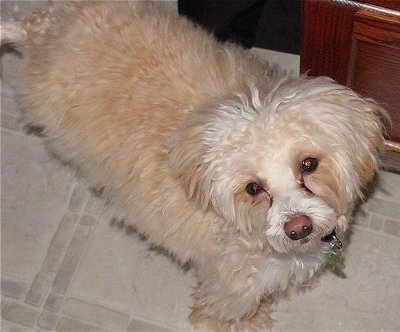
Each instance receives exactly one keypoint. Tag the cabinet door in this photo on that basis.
(374, 67)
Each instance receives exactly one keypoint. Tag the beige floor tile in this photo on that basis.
(30, 214)
(368, 298)
(96, 314)
(119, 270)
(388, 187)
(19, 314)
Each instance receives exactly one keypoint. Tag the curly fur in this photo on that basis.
(174, 125)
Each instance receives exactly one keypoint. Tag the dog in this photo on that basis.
(215, 156)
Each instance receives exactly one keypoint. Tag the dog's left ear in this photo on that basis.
(367, 133)
(358, 129)
(374, 120)
(187, 152)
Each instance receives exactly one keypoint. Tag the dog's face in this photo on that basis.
(284, 165)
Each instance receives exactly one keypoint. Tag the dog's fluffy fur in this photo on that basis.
(173, 126)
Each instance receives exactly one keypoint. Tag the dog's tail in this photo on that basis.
(17, 32)
(12, 33)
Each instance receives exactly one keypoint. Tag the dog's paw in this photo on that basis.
(260, 321)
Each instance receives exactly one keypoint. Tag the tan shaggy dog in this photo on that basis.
(216, 158)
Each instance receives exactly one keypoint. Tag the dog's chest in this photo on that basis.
(286, 271)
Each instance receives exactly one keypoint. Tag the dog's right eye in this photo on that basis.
(253, 189)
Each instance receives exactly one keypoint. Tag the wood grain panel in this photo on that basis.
(375, 74)
(390, 4)
(377, 27)
(327, 36)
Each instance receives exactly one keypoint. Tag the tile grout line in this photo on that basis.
(42, 296)
(383, 234)
(78, 214)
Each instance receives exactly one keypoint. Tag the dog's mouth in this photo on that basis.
(329, 238)
(332, 248)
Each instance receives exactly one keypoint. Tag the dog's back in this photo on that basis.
(95, 71)
(112, 57)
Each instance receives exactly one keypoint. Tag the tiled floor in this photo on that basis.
(66, 266)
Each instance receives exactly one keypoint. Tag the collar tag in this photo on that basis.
(334, 251)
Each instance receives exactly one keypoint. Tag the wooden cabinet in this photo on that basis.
(357, 43)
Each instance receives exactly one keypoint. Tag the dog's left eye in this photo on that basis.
(253, 189)
(309, 165)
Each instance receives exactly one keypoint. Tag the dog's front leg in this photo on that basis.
(230, 296)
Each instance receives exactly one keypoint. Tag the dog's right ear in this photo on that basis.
(201, 147)
(187, 157)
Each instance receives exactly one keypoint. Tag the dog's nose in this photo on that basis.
(298, 227)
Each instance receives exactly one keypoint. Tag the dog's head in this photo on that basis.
(286, 163)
